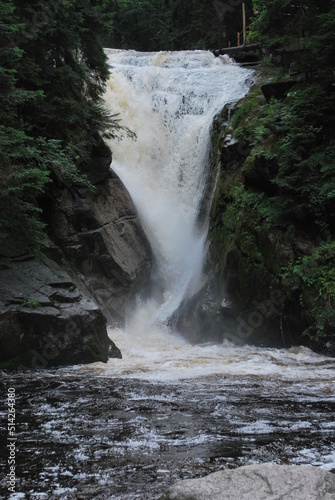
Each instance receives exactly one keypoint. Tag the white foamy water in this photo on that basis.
(158, 355)
(169, 99)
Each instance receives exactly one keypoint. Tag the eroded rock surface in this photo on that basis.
(53, 309)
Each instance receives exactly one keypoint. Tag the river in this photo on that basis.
(167, 410)
(129, 430)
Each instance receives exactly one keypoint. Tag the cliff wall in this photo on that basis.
(55, 305)
(273, 272)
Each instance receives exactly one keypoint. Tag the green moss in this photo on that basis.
(313, 276)
(275, 190)
(30, 303)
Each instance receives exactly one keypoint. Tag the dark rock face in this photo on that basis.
(251, 295)
(246, 296)
(102, 243)
(45, 320)
(259, 482)
(247, 302)
(53, 309)
(277, 90)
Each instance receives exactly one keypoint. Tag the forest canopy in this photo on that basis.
(175, 24)
(53, 72)
(52, 75)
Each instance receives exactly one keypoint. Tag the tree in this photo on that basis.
(194, 24)
(176, 24)
(143, 24)
(319, 47)
(63, 57)
(52, 75)
(291, 26)
(20, 179)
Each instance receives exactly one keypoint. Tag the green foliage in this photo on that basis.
(280, 23)
(293, 148)
(63, 58)
(284, 195)
(320, 46)
(176, 24)
(316, 273)
(298, 26)
(142, 25)
(25, 173)
(306, 155)
(52, 76)
(276, 207)
(196, 24)
(30, 303)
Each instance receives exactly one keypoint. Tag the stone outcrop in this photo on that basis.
(258, 482)
(54, 308)
(253, 296)
(101, 240)
(246, 301)
(277, 90)
(243, 54)
(45, 320)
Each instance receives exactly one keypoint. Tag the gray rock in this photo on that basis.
(258, 482)
(97, 170)
(45, 320)
(56, 315)
(102, 243)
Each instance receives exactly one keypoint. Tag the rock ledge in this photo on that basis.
(45, 320)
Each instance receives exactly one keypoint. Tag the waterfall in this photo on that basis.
(169, 100)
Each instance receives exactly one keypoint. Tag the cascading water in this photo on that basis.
(127, 429)
(169, 99)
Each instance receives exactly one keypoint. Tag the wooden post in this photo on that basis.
(244, 24)
(238, 38)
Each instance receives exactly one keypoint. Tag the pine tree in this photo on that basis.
(52, 75)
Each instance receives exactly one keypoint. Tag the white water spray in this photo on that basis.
(169, 100)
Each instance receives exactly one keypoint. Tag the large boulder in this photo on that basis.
(277, 90)
(45, 320)
(258, 482)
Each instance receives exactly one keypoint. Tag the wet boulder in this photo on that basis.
(277, 90)
(45, 320)
(259, 482)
